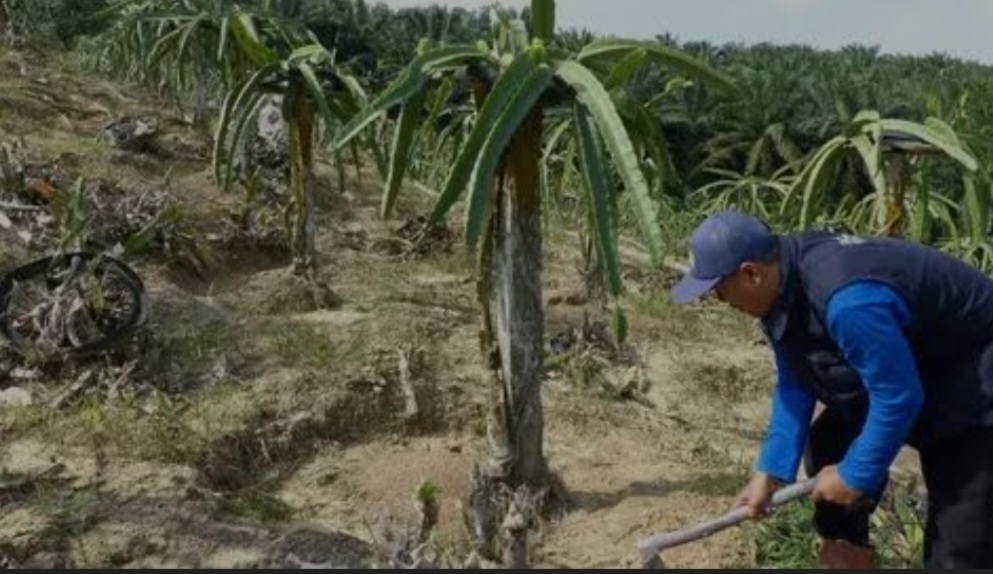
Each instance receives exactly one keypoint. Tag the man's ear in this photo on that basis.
(751, 272)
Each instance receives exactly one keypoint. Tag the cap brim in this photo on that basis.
(690, 288)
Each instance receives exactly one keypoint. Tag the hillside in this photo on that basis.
(244, 427)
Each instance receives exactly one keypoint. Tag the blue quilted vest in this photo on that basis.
(950, 331)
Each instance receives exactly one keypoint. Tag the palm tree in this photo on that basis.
(753, 194)
(754, 135)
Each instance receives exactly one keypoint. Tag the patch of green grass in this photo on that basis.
(68, 513)
(87, 148)
(253, 505)
(456, 263)
(195, 341)
(787, 539)
(784, 540)
(123, 427)
(161, 428)
(19, 420)
(220, 411)
(303, 344)
(654, 307)
(188, 345)
(426, 491)
(699, 321)
(652, 304)
(313, 346)
(898, 530)
(724, 483)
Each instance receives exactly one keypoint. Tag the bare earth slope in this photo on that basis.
(252, 430)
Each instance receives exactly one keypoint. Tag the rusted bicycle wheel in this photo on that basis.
(71, 304)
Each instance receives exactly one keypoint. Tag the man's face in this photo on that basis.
(752, 289)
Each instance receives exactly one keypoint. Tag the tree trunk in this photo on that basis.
(339, 167)
(301, 136)
(897, 171)
(200, 89)
(592, 270)
(6, 21)
(517, 286)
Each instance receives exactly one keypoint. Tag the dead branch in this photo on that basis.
(14, 206)
(411, 409)
(125, 376)
(83, 381)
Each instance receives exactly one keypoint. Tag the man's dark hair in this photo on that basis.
(769, 258)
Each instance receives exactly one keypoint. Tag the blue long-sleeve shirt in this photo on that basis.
(865, 319)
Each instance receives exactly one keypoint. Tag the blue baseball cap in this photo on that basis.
(718, 247)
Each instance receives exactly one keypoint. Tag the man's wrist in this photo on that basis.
(776, 481)
(849, 479)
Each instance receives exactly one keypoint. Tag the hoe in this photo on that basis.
(650, 548)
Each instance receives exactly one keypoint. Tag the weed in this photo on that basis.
(158, 428)
(184, 351)
(899, 530)
(69, 513)
(426, 491)
(787, 539)
(784, 540)
(450, 264)
(653, 306)
(307, 345)
(193, 341)
(702, 321)
(95, 154)
(17, 420)
(254, 505)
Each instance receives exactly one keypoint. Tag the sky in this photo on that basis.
(960, 28)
